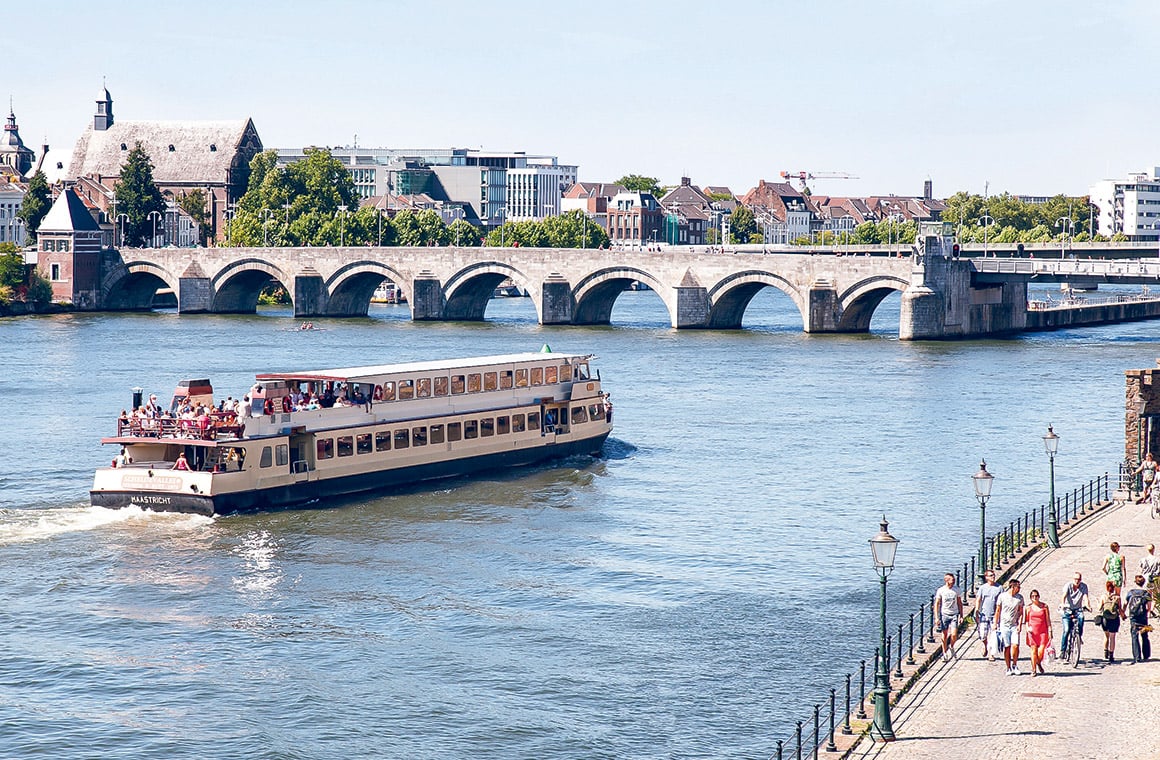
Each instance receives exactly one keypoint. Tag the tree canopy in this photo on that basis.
(636, 183)
(36, 204)
(1005, 218)
(572, 229)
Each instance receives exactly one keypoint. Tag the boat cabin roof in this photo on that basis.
(357, 374)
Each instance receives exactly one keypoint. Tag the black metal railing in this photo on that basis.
(834, 710)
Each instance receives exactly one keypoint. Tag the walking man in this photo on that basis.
(1009, 613)
(1075, 601)
(948, 609)
(985, 600)
(1139, 606)
(1150, 565)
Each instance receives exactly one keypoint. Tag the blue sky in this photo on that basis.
(1029, 96)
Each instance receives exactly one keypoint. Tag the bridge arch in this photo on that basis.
(134, 285)
(858, 302)
(468, 291)
(730, 297)
(596, 294)
(237, 286)
(352, 286)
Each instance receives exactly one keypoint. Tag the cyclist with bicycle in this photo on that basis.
(1075, 601)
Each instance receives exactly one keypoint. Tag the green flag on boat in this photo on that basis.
(546, 349)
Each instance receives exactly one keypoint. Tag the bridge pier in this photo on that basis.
(556, 301)
(310, 295)
(692, 307)
(822, 308)
(194, 291)
(427, 299)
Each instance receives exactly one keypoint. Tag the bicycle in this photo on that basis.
(1071, 653)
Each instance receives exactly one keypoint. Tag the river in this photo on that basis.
(690, 594)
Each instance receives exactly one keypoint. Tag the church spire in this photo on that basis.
(103, 119)
(14, 156)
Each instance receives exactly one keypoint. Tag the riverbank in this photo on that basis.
(969, 707)
(26, 308)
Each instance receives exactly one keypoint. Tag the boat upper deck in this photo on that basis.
(375, 373)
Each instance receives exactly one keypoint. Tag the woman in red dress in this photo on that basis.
(1037, 618)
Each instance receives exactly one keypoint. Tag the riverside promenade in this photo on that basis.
(969, 707)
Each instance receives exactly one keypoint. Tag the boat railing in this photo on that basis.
(219, 427)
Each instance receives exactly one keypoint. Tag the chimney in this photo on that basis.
(685, 182)
(928, 190)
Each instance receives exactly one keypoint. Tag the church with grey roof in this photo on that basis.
(213, 156)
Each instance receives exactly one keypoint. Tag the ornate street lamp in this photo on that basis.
(983, 481)
(1051, 444)
(883, 547)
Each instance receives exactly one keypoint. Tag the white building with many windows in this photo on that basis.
(1129, 206)
(11, 226)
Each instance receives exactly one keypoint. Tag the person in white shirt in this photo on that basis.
(1009, 614)
(948, 610)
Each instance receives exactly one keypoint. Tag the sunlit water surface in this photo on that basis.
(690, 594)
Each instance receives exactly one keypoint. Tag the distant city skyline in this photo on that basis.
(1026, 98)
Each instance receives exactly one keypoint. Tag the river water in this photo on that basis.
(688, 595)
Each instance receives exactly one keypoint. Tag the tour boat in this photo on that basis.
(368, 429)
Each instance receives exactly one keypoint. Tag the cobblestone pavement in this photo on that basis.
(969, 707)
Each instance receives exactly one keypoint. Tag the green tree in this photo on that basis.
(636, 183)
(12, 268)
(137, 197)
(36, 204)
(193, 204)
(742, 224)
(462, 233)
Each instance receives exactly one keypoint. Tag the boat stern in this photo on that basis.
(156, 490)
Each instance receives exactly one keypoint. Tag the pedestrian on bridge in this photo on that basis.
(948, 610)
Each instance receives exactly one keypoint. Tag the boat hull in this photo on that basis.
(316, 493)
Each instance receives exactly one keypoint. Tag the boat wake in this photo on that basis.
(27, 525)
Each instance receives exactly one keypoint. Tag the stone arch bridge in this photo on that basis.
(834, 293)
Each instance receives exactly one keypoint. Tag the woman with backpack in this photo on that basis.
(1139, 604)
(1111, 613)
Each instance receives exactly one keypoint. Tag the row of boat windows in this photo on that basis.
(421, 435)
(475, 382)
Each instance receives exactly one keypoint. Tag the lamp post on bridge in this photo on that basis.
(1066, 223)
(286, 234)
(122, 218)
(342, 225)
(882, 547)
(986, 220)
(154, 215)
(1051, 444)
(982, 480)
(266, 214)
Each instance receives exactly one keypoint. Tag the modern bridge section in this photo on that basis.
(942, 296)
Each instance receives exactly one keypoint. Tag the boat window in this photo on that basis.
(423, 387)
(581, 372)
(521, 378)
(388, 391)
(487, 427)
(345, 445)
(454, 431)
(534, 420)
(437, 434)
(457, 385)
(537, 375)
(325, 448)
(471, 429)
(490, 381)
(563, 415)
(383, 440)
(596, 411)
(550, 375)
(565, 373)
(579, 415)
(267, 459)
(517, 423)
(440, 386)
(406, 390)
(364, 443)
(505, 380)
(503, 425)
(282, 454)
(473, 383)
(402, 438)
(419, 436)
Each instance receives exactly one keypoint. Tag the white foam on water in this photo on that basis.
(25, 525)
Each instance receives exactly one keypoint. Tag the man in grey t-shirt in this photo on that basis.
(948, 608)
(985, 600)
(1009, 614)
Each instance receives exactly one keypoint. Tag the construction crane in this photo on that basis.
(801, 177)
